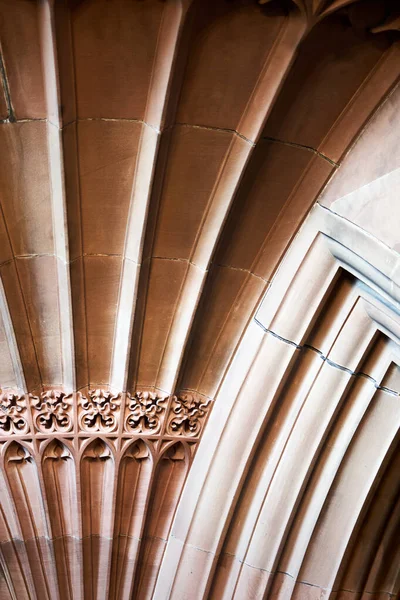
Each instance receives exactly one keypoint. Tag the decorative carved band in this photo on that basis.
(143, 413)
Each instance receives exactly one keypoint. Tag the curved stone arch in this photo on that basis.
(380, 570)
(326, 245)
(21, 470)
(169, 477)
(25, 444)
(76, 255)
(142, 444)
(179, 444)
(20, 578)
(97, 482)
(58, 472)
(135, 476)
(102, 439)
(67, 442)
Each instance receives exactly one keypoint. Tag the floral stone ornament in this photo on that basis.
(54, 412)
(99, 412)
(13, 414)
(188, 413)
(145, 412)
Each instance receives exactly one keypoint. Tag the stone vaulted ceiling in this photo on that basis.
(199, 300)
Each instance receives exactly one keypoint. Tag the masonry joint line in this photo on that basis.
(303, 147)
(330, 362)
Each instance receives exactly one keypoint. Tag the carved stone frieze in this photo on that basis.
(187, 415)
(145, 412)
(13, 414)
(99, 412)
(52, 412)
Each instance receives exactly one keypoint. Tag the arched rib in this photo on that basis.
(163, 67)
(13, 349)
(234, 429)
(234, 162)
(57, 185)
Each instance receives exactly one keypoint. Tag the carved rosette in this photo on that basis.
(13, 414)
(187, 415)
(99, 412)
(53, 410)
(145, 412)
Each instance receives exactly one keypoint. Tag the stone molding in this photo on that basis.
(99, 411)
(331, 307)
